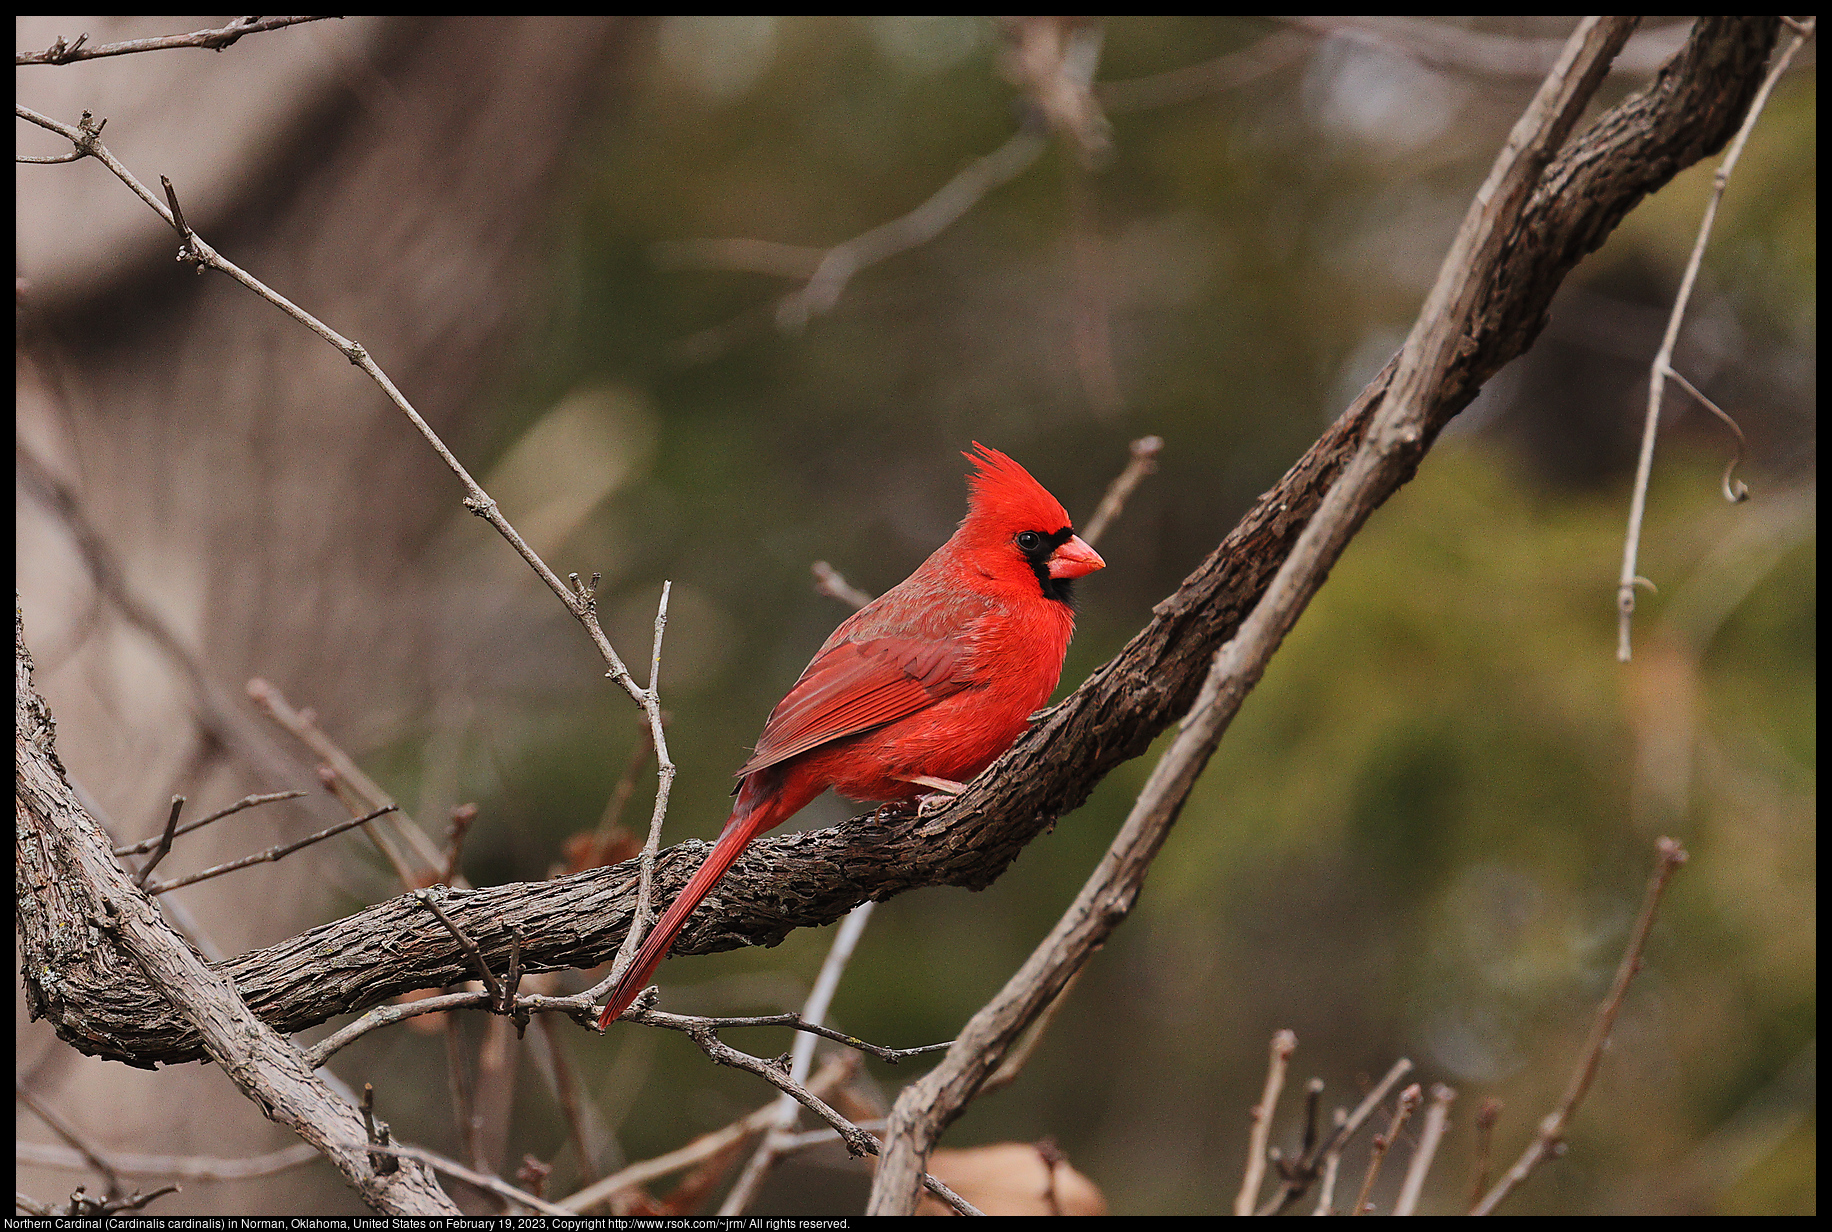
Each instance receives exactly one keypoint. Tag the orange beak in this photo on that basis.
(1074, 558)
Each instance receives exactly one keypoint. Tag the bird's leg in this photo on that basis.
(945, 790)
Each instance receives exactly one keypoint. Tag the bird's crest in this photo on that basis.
(1002, 494)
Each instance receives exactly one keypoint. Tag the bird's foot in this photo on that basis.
(941, 797)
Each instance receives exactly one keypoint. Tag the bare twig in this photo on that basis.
(187, 1167)
(71, 157)
(1144, 461)
(830, 582)
(60, 52)
(581, 1008)
(164, 845)
(81, 1205)
(1300, 1175)
(651, 702)
(1271, 53)
(483, 1180)
(858, 1142)
(1408, 1100)
(246, 802)
(382, 1161)
(1735, 493)
(801, 1058)
(1332, 1164)
(689, 1024)
(1437, 1117)
(705, 1147)
(387, 1016)
(1283, 1044)
(922, 224)
(428, 899)
(279, 852)
(1486, 1116)
(1662, 366)
(1549, 1142)
(349, 784)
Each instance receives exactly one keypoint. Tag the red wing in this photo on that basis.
(856, 686)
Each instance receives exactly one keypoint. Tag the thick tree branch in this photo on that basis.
(1688, 111)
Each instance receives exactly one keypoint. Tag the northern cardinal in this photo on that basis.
(921, 688)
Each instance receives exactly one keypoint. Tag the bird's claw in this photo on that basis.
(932, 802)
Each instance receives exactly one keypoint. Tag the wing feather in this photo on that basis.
(854, 686)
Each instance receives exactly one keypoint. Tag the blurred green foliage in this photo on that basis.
(1429, 830)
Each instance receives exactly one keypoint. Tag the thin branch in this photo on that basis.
(1144, 461)
(357, 791)
(1549, 1142)
(1284, 1043)
(71, 157)
(1300, 1175)
(272, 854)
(1734, 493)
(81, 1205)
(246, 802)
(1020, 1053)
(1437, 1118)
(1408, 1100)
(830, 582)
(858, 1142)
(1486, 1116)
(689, 1024)
(186, 1167)
(1229, 72)
(651, 702)
(1332, 1165)
(801, 1058)
(164, 845)
(428, 899)
(1662, 366)
(922, 224)
(386, 1016)
(483, 1180)
(60, 52)
(705, 1147)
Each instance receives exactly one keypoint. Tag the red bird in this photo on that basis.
(923, 687)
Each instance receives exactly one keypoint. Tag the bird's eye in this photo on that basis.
(1029, 541)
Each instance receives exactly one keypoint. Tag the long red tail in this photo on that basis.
(739, 831)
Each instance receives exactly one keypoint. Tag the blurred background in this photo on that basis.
(576, 245)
